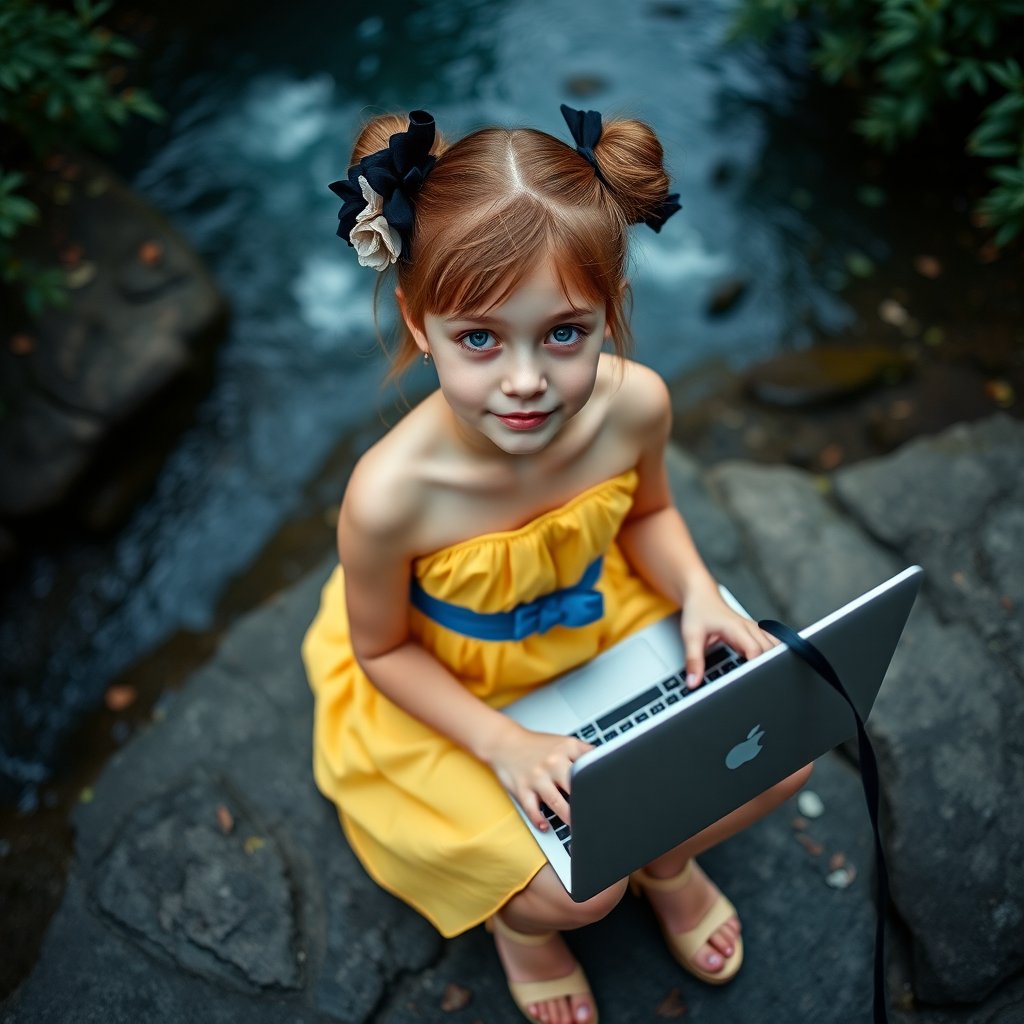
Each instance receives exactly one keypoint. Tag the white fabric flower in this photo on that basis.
(376, 242)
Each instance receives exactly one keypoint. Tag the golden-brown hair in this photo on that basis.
(499, 200)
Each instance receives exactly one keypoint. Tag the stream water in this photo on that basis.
(261, 114)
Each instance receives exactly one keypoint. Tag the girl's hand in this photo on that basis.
(534, 767)
(706, 620)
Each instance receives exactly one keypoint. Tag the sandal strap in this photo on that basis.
(495, 923)
(690, 941)
(573, 984)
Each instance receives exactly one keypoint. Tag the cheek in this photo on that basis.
(577, 379)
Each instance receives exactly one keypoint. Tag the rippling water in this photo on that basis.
(261, 119)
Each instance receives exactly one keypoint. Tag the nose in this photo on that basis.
(524, 376)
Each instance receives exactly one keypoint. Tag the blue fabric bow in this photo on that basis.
(570, 607)
(585, 128)
(578, 605)
(396, 174)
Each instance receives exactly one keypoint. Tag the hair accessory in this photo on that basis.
(376, 216)
(585, 128)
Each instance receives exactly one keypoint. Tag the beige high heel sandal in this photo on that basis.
(526, 992)
(684, 945)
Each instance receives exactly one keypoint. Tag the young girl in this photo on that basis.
(536, 466)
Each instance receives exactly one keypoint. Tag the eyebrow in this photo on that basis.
(565, 314)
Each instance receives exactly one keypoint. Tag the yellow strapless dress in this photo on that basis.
(428, 821)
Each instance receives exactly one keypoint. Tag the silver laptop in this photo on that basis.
(669, 761)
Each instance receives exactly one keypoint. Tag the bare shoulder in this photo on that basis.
(387, 490)
(640, 400)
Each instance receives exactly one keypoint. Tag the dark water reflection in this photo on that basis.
(261, 117)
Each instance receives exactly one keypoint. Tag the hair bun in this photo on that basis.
(632, 167)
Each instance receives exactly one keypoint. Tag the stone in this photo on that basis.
(824, 374)
(216, 907)
(948, 724)
(725, 295)
(132, 329)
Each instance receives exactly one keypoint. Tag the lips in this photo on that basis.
(524, 420)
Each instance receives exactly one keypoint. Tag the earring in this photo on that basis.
(426, 358)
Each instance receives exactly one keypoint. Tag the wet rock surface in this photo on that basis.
(143, 315)
(171, 914)
(949, 719)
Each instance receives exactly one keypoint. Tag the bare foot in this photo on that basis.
(683, 909)
(545, 962)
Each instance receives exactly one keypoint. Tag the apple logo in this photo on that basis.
(746, 750)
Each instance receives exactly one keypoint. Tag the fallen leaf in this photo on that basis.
(254, 843)
(958, 578)
(96, 187)
(224, 819)
(901, 409)
(988, 253)
(119, 696)
(815, 849)
(86, 796)
(455, 997)
(62, 193)
(934, 336)
(1001, 392)
(836, 861)
(1006, 602)
(928, 266)
(830, 456)
(22, 344)
(799, 824)
(672, 1006)
(71, 172)
(71, 255)
(150, 253)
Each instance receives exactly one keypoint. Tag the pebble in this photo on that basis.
(810, 804)
(841, 878)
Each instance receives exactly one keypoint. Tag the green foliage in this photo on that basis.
(912, 59)
(56, 73)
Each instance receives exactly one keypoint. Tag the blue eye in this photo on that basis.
(565, 334)
(477, 339)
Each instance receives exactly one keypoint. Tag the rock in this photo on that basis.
(824, 374)
(725, 296)
(177, 882)
(155, 867)
(955, 503)
(131, 330)
(949, 719)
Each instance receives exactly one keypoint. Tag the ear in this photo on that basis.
(417, 333)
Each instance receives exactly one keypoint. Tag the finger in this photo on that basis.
(693, 642)
(531, 804)
(557, 800)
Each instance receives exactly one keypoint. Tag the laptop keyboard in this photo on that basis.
(652, 702)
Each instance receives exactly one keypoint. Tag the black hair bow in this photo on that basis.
(585, 128)
(396, 174)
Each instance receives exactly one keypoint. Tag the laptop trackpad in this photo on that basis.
(613, 677)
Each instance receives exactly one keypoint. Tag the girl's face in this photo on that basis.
(516, 374)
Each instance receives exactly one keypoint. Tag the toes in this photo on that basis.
(582, 1010)
(711, 959)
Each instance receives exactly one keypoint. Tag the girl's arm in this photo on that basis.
(657, 543)
(373, 530)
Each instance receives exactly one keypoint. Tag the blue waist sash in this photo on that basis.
(578, 605)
